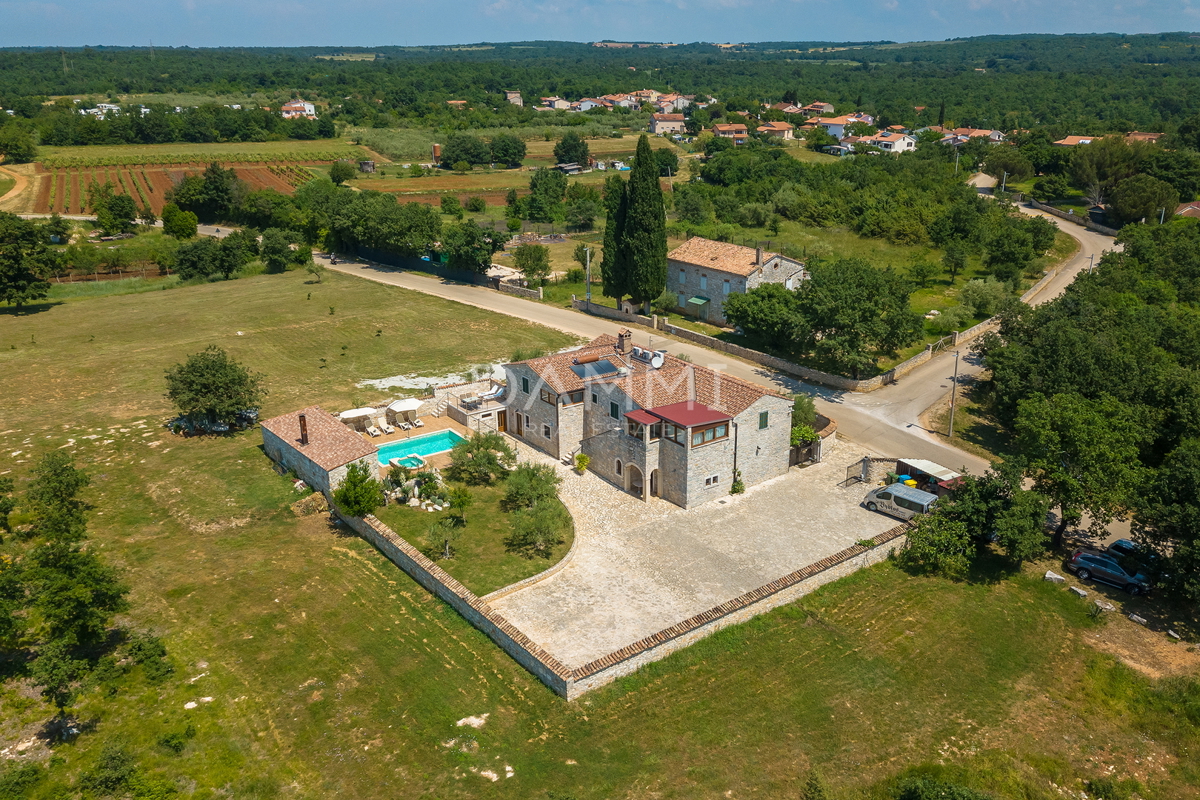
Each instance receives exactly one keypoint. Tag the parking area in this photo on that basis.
(639, 568)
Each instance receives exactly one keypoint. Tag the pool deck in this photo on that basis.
(432, 425)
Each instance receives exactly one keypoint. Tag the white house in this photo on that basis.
(891, 142)
(298, 108)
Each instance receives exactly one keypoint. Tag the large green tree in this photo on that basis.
(1083, 454)
(571, 149)
(615, 281)
(471, 247)
(1143, 197)
(25, 261)
(642, 238)
(508, 150)
(210, 386)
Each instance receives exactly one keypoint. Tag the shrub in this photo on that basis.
(530, 484)
(461, 167)
(940, 545)
(956, 318)
(576, 275)
(513, 224)
(665, 302)
(360, 493)
(582, 460)
(112, 772)
(451, 206)
(476, 205)
(482, 459)
(536, 531)
(984, 297)
(803, 434)
(804, 410)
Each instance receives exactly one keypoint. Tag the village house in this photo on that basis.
(317, 446)
(778, 130)
(1073, 141)
(623, 100)
(671, 103)
(646, 95)
(836, 126)
(650, 423)
(555, 103)
(731, 130)
(298, 108)
(890, 142)
(667, 123)
(818, 108)
(514, 98)
(1140, 136)
(588, 103)
(702, 273)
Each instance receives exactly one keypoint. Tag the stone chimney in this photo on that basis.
(758, 257)
(303, 430)
(624, 337)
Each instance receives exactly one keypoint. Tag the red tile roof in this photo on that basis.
(723, 256)
(331, 443)
(689, 413)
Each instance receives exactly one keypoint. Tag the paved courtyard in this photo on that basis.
(641, 567)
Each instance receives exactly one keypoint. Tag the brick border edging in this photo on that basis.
(731, 606)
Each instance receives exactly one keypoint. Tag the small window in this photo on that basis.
(656, 431)
(525, 385)
(619, 466)
(528, 423)
(573, 398)
(763, 418)
(614, 410)
(725, 288)
(546, 430)
(595, 399)
(703, 282)
(713, 481)
(634, 429)
(682, 276)
(709, 434)
(548, 396)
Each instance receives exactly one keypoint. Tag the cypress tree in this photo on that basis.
(615, 281)
(642, 241)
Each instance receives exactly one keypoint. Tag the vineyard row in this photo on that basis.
(135, 159)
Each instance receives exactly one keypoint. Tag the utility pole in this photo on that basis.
(1091, 262)
(956, 155)
(588, 258)
(953, 395)
(1162, 217)
(1003, 182)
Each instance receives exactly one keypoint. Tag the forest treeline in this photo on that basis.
(1080, 84)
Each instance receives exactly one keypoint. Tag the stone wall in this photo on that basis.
(284, 454)
(572, 683)
(787, 589)
(611, 313)
(520, 291)
(523, 650)
(763, 452)
(1078, 219)
(536, 413)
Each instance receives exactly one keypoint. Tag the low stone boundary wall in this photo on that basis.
(571, 683)
(505, 591)
(629, 659)
(613, 313)
(1078, 219)
(519, 291)
(524, 651)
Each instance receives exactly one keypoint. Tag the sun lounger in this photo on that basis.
(373, 431)
(418, 424)
(387, 429)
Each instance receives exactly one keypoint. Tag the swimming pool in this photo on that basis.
(426, 445)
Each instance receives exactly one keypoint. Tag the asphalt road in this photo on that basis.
(887, 420)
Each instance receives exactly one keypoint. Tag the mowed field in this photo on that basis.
(319, 670)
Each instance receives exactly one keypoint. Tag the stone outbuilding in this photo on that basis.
(703, 273)
(650, 423)
(317, 446)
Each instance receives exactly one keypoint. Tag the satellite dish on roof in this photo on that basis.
(658, 359)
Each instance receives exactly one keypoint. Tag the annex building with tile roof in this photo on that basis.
(317, 446)
(703, 273)
(649, 422)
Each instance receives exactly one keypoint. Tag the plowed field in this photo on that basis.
(67, 189)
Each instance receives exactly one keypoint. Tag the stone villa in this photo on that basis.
(702, 273)
(317, 446)
(650, 423)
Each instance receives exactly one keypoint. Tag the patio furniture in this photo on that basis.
(417, 423)
(469, 400)
(387, 429)
(373, 431)
(404, 426)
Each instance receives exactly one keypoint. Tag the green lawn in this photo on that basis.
(6, 183)
(479, 561)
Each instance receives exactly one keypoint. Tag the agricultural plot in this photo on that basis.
(67, 189)
(199, 154)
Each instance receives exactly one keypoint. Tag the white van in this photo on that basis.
(898, 500)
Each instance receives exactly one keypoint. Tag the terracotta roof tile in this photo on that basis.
(723, 256)
(331, 443)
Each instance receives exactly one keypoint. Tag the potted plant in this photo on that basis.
(581, 462)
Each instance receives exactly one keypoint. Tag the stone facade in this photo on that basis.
(549, 421)
(688, 280)
(320, 479)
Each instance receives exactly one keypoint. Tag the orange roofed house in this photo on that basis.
(702, 273)
(650, 423)
(731, 130)
(317, 446)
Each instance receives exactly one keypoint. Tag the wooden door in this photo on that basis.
(502, 421)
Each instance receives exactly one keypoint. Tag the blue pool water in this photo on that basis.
(426, 445)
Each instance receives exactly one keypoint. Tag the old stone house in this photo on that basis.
(650, 423)
(317, 446)
(702, 273)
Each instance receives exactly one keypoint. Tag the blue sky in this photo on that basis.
(210, 23)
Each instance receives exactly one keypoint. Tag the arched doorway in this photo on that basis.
(634, 481)
(655, 489)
